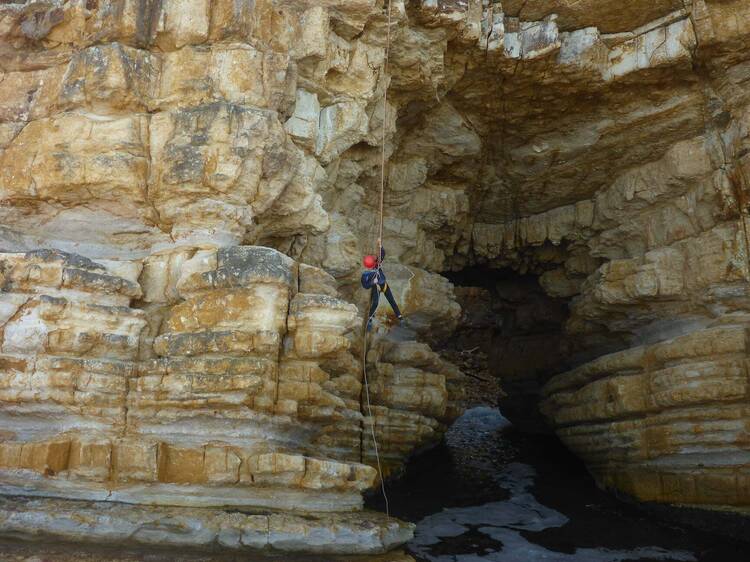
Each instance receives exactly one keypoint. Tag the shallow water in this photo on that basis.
(489, 493)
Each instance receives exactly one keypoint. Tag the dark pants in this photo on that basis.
(375, 299)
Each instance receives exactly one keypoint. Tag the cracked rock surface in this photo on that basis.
(187, 187)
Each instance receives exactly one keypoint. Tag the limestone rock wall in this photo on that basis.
(203, 378)
(89, 409)
(603, 150)
(664, 422)
(655, 264)
(187, 187)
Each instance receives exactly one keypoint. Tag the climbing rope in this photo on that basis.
(385, 122)
(369, 414)
(380, 253)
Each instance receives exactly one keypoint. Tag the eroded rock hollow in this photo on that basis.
(187, 188)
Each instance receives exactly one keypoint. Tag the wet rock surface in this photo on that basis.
(19, 551)
(491, 493)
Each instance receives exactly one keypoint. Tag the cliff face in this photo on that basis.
(187, 188)
(605, 151)
(232, 381)
(151, 355)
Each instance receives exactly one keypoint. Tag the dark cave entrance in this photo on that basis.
(513, 332)
(518, 332)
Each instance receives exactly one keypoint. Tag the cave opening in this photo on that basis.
(501, 484)
(516, 331)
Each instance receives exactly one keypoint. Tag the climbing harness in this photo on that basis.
(380, 253)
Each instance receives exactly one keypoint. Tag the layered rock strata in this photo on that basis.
(661, 420)
(233, 383)
(151, 354)
(186, 189)
(613, 165)
(664, 422)
(111, 523)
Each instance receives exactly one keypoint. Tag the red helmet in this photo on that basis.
(369, 261)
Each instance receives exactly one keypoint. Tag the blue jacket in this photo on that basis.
(376, 276)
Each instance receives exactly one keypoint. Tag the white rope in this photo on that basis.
(372, 418)
(379, 254)
(385, 123)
